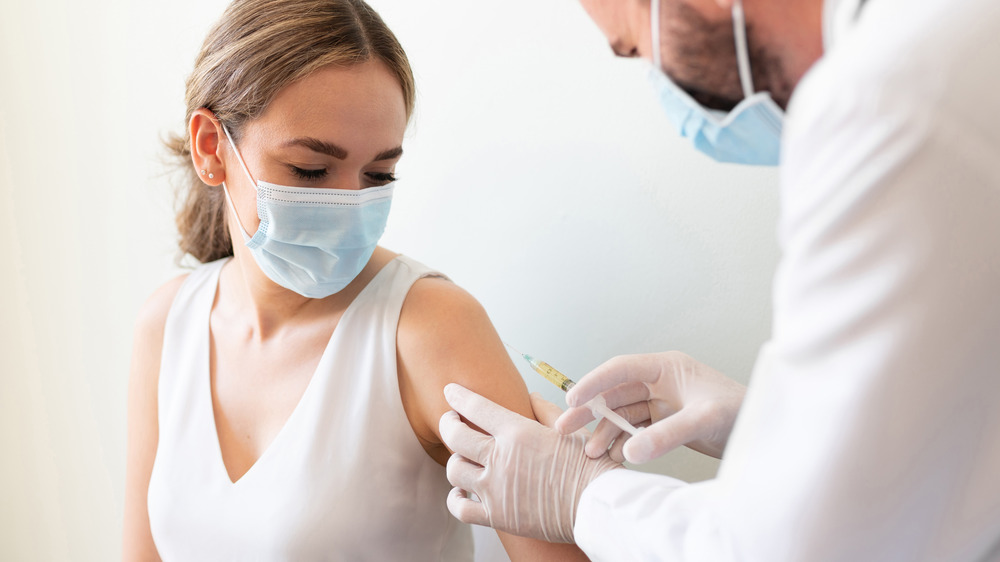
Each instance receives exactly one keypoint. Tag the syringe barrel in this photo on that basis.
(553, 375)
(597, 405)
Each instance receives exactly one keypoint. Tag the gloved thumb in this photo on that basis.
(545, 412)
(661, 438)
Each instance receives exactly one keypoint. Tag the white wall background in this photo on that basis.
(539, 174)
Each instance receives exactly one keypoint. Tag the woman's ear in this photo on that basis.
(206, 154)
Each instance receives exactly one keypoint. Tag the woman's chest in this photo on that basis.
(255, 389)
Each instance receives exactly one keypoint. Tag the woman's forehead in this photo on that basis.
(364, 100)
(364, 90)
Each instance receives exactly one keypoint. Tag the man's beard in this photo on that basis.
(703, 59)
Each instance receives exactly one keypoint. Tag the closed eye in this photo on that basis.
(310, 175)
(381, 177)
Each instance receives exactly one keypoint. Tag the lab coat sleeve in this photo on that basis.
(871, 430)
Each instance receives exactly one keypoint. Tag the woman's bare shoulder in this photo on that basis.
(441, 322)
(147, 348)
(446, 336)
(438, 298)
(153, 313)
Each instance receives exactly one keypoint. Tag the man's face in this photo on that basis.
(697, 46)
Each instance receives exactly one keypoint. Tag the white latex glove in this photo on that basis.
(682, 401)
(527, 477)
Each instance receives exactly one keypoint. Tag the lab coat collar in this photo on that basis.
(838, 17)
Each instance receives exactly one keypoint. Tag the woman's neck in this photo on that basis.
(266, 308)
(261, 305)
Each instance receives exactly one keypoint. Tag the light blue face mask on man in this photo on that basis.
(314, 241)
(748, 134)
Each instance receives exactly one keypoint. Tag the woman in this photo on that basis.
(284, 396)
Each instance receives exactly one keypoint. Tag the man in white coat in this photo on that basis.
(871, 427)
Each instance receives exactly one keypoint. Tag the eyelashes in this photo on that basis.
(309, 175)
(380, 178)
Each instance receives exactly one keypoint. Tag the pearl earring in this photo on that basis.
(211, 176)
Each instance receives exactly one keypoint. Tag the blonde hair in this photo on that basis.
(256, 49)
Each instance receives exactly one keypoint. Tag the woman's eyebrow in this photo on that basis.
(317, 145)
(337, 152)
(389, 154)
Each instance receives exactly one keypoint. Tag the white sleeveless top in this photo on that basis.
(344, 479)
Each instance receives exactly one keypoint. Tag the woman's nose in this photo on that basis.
(348, 180)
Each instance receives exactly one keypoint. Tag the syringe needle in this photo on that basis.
(514, 349)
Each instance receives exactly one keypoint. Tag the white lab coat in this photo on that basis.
(871, 430)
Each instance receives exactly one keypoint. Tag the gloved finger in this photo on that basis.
(485, 413)
(573, 419)
(615, 452)
(545, 412)
(605, 434)
(663, 436)
(616, 371)
(464, 440)
(464, 474)
(627, 393)
(466, 510)
(636, 414)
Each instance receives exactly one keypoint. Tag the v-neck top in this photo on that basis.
(344, 479)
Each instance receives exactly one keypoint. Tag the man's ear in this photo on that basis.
(206, 134)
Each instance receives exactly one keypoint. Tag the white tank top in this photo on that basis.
(344, 479)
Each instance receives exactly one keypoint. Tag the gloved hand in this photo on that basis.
(527, 477)
(682, 401)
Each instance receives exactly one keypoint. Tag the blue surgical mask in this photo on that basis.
(750, 133)
(314, 241)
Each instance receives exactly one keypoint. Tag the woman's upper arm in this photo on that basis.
(445, 336)
(137, 541)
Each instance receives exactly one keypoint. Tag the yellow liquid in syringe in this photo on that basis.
(597, 405)
(551, 373)
(546, 370)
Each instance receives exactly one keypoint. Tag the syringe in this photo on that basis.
(597, 405)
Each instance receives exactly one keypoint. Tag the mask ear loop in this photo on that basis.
(232, 207)
(742, 49)
(238, 155)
